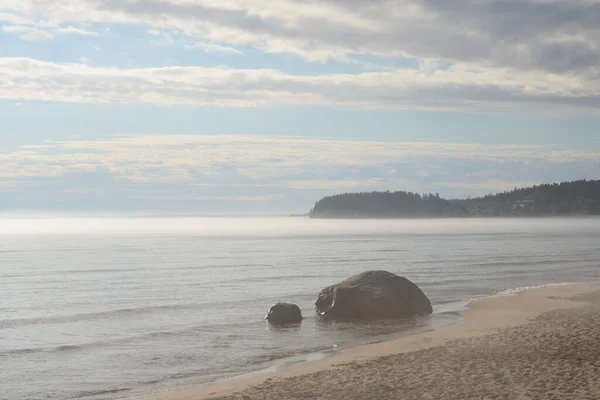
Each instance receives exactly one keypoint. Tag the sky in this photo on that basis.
(256, 106)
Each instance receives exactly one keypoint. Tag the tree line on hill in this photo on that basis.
(580, 197)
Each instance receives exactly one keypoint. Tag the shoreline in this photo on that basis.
(484, 316)
(445, 314)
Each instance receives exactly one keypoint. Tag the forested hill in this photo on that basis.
(384, 205)
(567, 198)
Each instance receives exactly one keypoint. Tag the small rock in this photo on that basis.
(284, 313)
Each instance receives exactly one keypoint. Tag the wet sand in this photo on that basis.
(540, 344)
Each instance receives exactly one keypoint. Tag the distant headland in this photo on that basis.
(580, 197)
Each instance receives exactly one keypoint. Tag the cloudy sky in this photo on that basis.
(246, 106)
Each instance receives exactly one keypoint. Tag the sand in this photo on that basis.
(540, 344)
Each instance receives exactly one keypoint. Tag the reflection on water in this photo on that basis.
(121, 306)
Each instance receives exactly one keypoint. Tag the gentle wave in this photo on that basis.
(125, 312)
(529, 263)
(272, 278)
(521, 289)
(80, 347)
(197, 331)
(126, 270)
(266, 358)
(93, 393)
(102, 315)
(332, 260)
(509, 258)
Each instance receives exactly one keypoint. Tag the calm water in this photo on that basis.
(116, 308)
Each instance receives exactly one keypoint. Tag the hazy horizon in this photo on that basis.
(141, 212)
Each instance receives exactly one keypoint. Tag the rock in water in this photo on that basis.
(284, 313)
(373, 295)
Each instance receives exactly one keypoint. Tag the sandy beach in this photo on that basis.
(542, 343)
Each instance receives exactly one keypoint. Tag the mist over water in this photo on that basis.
(117, 307)
(282, 226)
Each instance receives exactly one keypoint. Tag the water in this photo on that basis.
(110, 308)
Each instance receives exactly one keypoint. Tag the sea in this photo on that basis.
(126, 307)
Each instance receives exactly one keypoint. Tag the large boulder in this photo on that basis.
(373, 295)
(284, 313)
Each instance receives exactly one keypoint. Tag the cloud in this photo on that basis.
(474, 54)
(162, 38)
(460, 87)
(492, 185)
(14, 19)
(38, 146)
(270, 197)
(261, 160)
(28, 33)
(37, 30)
(165, 171)
(75, 31)
(214, 48)
(547, 35)
(342, 184)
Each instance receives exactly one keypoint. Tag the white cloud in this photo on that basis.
(162, 38)
(37, 30)
(482, 54)
(550, 35)
(75, 31)
(168, 169)
(458, 87)
(28, 33)
(343, 184)
(248, 160)
(264, 198)
(14, 19)
(38, 146)
(492, 185)
(214, 48)
(269, 197)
